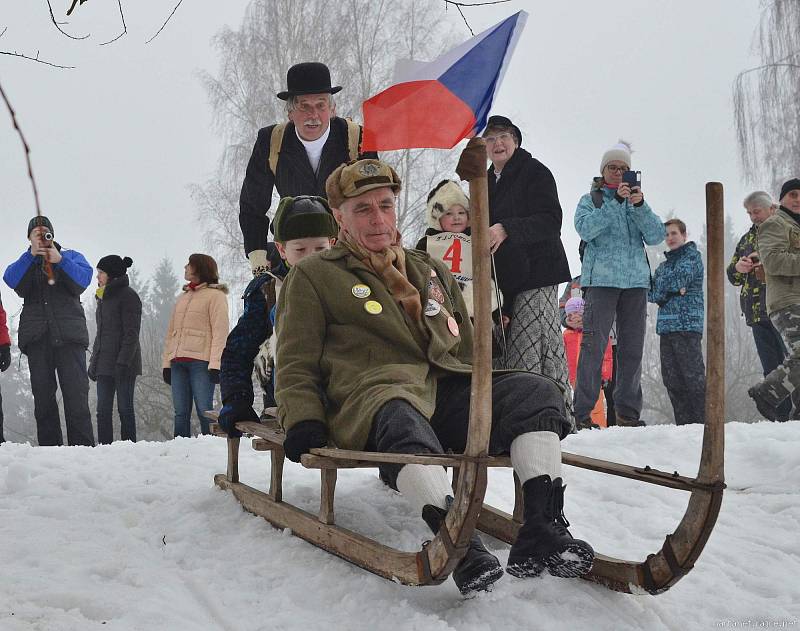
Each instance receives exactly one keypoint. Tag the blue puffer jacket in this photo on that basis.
(614, 236)
(683, 269)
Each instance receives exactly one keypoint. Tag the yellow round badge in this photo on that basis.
(361, 291)
(373, 307)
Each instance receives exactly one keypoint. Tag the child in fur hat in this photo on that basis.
(573, 335)
(302, 226)
(448, 236)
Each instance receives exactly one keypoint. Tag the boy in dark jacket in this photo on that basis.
(302, 226)
(116, 354)
(5, 358)
(678, 292)
(53, 334)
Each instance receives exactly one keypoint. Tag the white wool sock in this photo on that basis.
(424, 484)
(536, 453)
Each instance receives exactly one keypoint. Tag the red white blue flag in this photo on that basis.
(439, 103)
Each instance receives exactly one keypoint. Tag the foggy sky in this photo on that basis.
(116, 142)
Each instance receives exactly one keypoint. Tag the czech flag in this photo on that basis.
(438, 103)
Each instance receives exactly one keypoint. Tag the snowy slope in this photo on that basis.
(126, 537)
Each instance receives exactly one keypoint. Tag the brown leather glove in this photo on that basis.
(472, 162)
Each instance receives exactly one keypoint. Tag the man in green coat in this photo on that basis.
(374, 349)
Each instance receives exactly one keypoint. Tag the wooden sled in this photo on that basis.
(436, 559)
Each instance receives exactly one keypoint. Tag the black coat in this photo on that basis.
(53, 310)
(116, 349)
(525, 201)
(294, 176)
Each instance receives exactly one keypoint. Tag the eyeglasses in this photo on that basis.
(615, 169)
(490, 140)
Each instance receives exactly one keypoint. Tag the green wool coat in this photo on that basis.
(779, 248)
(339, 364)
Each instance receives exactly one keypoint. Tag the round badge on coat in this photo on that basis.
(453, 326)
(373, 307)
(361, 291)
(432, 308)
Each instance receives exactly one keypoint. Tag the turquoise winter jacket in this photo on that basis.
(615, 235)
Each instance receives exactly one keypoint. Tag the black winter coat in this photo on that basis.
(294, 176)
(525, 201)
(51, 309)
(116, 349)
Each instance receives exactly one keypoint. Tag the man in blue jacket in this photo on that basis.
(678, 292)
(53, 334)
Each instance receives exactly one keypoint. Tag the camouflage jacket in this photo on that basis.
(753, 291)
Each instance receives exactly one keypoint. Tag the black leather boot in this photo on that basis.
(479, 568)
(543, 542)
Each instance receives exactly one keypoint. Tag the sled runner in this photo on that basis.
(435, 560)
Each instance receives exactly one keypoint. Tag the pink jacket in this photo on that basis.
(199, 325)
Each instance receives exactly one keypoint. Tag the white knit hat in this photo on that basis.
(446, 194)
(621, 151)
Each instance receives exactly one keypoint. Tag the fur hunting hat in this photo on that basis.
(357, 177)
(308, 78)
(621, 151)
(447, 193)
(302, 217)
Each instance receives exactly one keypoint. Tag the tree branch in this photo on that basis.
(458, 6)
(27, 150)
(36, 59)
(60, 30)
(180, 2)
(124, 26)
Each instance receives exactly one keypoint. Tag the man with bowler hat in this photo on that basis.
(295, 157)
(53, 334)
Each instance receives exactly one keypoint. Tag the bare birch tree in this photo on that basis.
(765, 98)
(360, 42)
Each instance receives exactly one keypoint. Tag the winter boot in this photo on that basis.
(543, 541)
(585, 424)
(764, 405)
(479, 568)
(626, 421)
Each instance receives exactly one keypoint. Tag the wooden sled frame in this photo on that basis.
(438, 557)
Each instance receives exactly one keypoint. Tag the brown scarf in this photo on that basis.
(390, 266)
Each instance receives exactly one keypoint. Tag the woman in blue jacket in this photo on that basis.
(678, 292)
(616, 222)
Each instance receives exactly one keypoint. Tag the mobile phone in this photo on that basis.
(754, 258)
(632, 178)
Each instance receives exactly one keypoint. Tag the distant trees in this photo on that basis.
(765, 98)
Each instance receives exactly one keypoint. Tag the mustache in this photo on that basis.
(313, 121)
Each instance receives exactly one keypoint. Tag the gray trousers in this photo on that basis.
(785, 379)
(603, 305)
(521, 403)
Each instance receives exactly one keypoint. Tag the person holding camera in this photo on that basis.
(747, 271)
(779, 250)
(616, 222)
(678, 291)
(53, 334)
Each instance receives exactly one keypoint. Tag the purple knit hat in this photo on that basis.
(575, 305)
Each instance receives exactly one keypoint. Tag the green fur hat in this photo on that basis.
(301, 217)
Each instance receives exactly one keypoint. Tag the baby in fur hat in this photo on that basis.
(448, 236)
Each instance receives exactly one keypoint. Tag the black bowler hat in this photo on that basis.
(502, 121)
(310, 77)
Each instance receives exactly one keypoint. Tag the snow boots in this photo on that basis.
(625, 421)
(479, 568)
(585, 424)
(543, 541)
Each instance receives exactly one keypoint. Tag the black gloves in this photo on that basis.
(166, 375)
(213, 373)
(5, 357)
(236, 412)
(303, 437)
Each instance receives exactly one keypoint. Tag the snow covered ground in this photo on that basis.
(138, 537)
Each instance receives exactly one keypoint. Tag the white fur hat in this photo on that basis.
(621, 151)
(447, 193)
